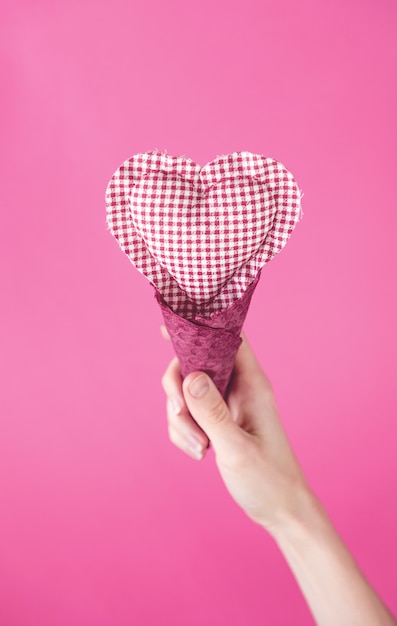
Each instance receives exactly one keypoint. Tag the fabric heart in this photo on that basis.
(201, 235)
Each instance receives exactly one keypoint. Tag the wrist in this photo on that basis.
(303, 516)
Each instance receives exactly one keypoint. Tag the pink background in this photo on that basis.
(102, 521)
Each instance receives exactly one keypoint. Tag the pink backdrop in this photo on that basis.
(102, 521)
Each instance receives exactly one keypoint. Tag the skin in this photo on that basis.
(263, 476)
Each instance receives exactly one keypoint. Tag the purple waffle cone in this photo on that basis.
(209, 344)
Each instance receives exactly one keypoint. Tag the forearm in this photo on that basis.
(335, 589)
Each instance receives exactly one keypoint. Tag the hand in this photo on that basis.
(262, 474)
(252, 451)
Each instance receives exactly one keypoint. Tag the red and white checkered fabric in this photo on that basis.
(200, 235)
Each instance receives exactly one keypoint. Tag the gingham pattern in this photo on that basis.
(200, 235)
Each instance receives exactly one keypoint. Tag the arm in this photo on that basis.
(335, 589)
(264, 477)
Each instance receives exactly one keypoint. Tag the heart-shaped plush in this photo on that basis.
(201, 235)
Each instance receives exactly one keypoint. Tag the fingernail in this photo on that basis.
(177, 404)
(199, 386)
(195, 446)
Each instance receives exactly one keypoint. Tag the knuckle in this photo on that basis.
(166, 381)
(173, 435)
(170, 380)
(218, 412)
(173, 419)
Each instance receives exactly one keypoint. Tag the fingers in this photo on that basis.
(182, 429)
(165, 333)
(182, 435)
(210, 411)
(196, 411)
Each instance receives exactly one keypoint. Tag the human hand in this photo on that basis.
(252, 451)
(262, 474)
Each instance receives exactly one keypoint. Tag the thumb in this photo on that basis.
(210, 411)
